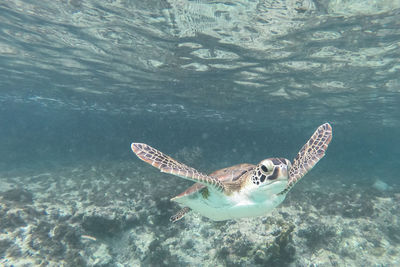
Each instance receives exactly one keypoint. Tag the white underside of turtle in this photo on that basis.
(242, 190)
(219, 207)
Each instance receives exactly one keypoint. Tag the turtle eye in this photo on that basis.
(264, 168)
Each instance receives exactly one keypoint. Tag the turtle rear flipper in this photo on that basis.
(310, 154)
(179, 215)
(169, 165)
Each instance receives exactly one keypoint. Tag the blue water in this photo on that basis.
(240, 80)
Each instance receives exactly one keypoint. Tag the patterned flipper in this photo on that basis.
(169, 165)
(179, 215)
(310, 154)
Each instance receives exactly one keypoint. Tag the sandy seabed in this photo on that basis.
(117, 214)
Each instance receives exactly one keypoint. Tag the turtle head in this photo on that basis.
(272, 174)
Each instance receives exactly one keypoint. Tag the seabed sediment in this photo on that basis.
(117, 214)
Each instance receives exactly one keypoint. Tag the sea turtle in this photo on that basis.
(243, 190)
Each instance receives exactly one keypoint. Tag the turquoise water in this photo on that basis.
(212, 83)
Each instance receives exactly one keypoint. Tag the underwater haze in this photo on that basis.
(213, 84)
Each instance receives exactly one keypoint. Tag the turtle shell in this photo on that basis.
(228, 174)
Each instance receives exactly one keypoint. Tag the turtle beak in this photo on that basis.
(284, 171)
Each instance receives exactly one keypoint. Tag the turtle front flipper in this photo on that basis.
(179, 215)
(169, 165)
(310, 154)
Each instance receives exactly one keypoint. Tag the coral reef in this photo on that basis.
(117, 214)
